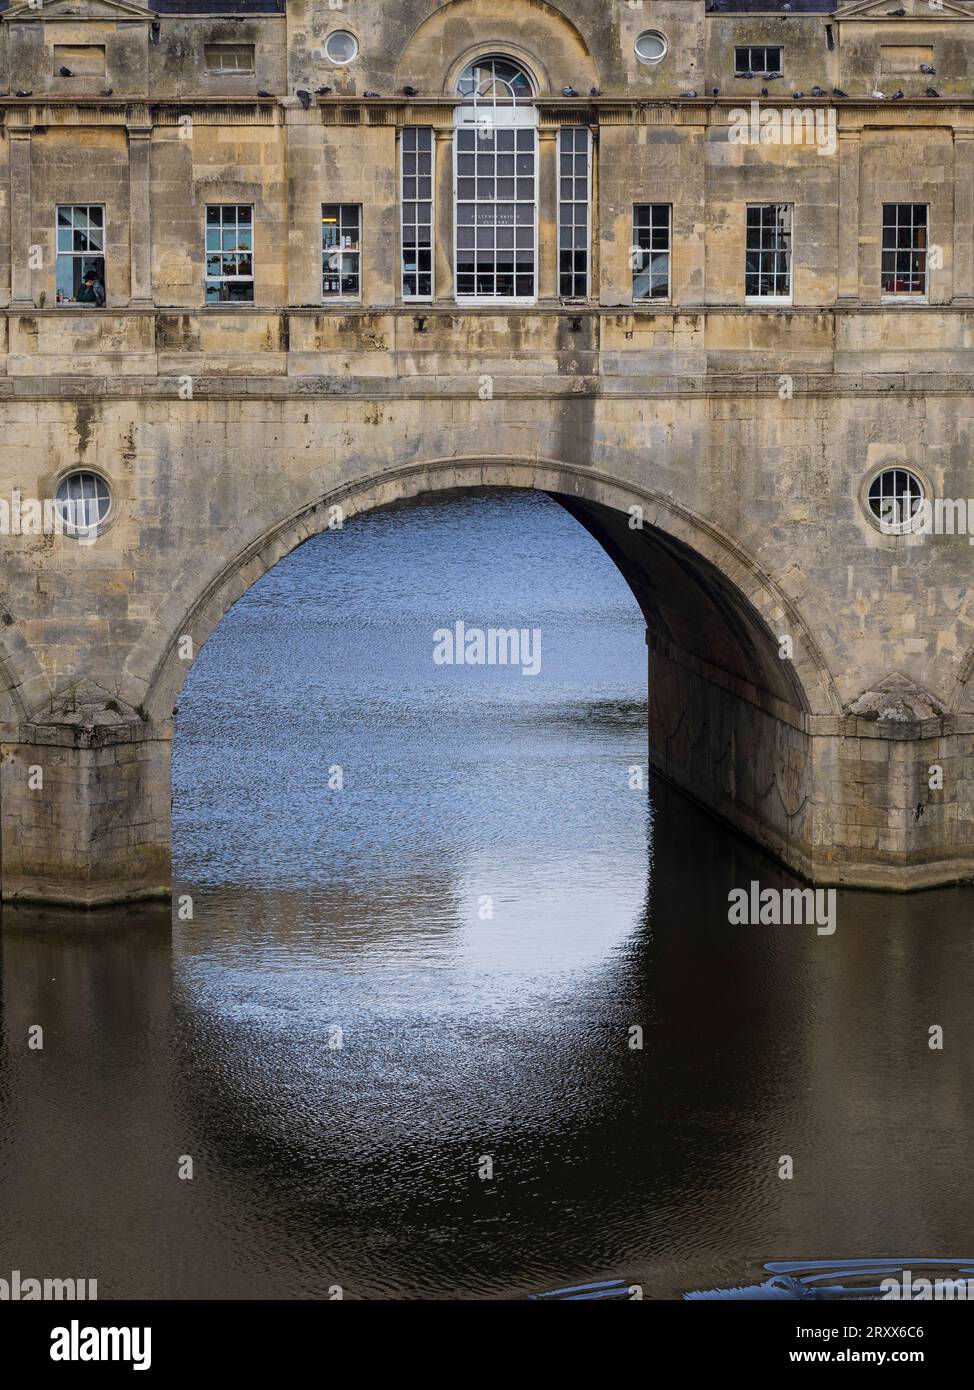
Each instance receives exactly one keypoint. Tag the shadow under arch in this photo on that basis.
(23, 685)
(698, 590)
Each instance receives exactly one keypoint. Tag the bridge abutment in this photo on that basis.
(86, 812)
(881, 796)
(738, 752)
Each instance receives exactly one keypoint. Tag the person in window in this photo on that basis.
(92, 290)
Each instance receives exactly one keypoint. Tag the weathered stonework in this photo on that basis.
(743, 432)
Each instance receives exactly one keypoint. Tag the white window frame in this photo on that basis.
(496, 118)
(668, 298)
(781, 300)
(230, 279)
(902, 525)
(573, 203)
(78, 516)
(417, 298)
(905, 296)
(229, 46)
(81, 255)
(343, 298)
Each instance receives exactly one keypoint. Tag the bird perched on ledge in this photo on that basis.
(838, 92)
(817, 92)
(65, 72)
(370, 94)
(409, 92)
(932, 92)
(691, 93)
(569, 92)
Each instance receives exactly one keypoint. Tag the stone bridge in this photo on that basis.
(806, 670)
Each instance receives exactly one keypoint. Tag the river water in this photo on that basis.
(429, 909)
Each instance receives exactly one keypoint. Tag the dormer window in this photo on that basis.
(226, 58)
(757, 60)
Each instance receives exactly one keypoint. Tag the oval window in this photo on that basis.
(651, 47)
(341, 46)
(82, 501)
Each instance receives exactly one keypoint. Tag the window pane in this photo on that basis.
(767, 259)
(502, 207)
(651, 251)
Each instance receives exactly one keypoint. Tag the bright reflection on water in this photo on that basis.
(465, 1035)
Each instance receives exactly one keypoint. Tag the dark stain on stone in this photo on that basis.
(84, 414)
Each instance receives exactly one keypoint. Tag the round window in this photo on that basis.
(341, 46)
(894, 499)
(82, 501)
(651, 47)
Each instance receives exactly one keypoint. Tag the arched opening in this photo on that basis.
(495, 80)
(425, 722)
(726, 719)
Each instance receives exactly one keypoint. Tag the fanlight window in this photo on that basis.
(494, 82)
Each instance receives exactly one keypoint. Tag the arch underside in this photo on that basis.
(727, 717)
(700, 595)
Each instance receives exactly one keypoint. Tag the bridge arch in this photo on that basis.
(725, 590)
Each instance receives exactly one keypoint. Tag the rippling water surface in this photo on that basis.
(479, 916)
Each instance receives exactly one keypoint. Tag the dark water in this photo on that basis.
(465, 1036)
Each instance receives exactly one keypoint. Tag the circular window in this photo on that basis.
(894, 499)
(341, 46)
(82, 501)
(651, 47)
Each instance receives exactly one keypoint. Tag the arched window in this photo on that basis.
(495, 172)
(494, 81)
